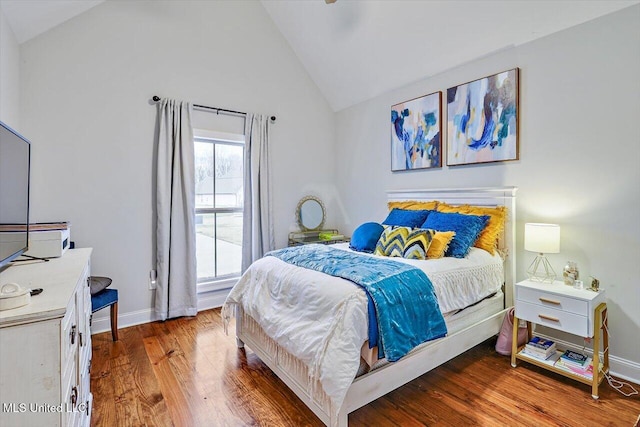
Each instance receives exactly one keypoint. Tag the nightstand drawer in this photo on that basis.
(553, 318)
(551, 300)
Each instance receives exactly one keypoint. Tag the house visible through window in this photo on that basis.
(219, 161)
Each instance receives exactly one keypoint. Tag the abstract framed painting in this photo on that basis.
(482, 120)
(416, 127)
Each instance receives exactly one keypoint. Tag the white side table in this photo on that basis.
(555, 305)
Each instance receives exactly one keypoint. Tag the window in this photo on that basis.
(219, 164)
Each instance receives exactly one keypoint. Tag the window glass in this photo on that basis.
(219, 204)
(229, 175)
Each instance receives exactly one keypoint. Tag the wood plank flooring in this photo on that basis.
(187, 372)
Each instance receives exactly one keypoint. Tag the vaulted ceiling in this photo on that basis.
(356, 50)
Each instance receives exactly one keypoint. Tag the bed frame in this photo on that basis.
(378, 382)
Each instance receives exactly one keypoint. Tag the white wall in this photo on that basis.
(85, 106)
(9, 75)
(579, 151)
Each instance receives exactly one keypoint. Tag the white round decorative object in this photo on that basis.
(13, 295)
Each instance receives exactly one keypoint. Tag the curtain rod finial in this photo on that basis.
(273, 118)
(156, 98)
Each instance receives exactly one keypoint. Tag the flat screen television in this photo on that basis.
(15, 159)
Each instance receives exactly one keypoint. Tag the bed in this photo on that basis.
(315, 383)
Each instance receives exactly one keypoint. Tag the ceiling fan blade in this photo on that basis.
(329, 1)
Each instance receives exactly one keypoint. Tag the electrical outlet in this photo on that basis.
(153, 279)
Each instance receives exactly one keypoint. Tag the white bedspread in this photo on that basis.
(320, 319)
(323, 320)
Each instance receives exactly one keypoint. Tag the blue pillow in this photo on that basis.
(467, 228)
(365, 237)
(406, 218)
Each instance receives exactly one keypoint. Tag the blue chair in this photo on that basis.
(101, 297)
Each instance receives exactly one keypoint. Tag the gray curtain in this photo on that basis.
(257, 232)
(176, 293)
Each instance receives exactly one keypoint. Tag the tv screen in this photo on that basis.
(15, 156)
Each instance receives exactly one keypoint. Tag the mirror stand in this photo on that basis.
(310, 213)
(310, 216)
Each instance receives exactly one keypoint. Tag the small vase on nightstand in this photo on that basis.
(570, 273)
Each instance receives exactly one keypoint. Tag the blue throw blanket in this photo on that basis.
(404, 301)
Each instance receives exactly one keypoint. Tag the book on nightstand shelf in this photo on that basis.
(540, 348)
(585, 372)
(575, 359)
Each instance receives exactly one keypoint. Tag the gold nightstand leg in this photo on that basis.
(514, 341)
(605, 340)
(599, 323)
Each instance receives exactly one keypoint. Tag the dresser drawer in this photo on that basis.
(551, 300)
(69, 331)
(69, 395)
(70, 371)
(553, 318)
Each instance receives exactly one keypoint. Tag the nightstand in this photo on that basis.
(555, 305)
(298, 238)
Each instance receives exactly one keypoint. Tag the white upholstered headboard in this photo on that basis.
(488, 196)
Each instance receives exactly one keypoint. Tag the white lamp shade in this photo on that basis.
(542, 238)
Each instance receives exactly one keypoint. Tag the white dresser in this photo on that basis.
(45, 346)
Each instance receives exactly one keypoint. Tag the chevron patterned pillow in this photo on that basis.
(391, 241)
(417, 243)
(405, 242)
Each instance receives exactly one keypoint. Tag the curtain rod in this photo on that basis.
(156, 98)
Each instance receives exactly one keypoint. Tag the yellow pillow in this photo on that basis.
(439, 244)
(414, 205)
(488, 238)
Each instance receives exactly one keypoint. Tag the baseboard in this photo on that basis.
(618, 367)
(212, 299)
(103, 324)
(206, 301)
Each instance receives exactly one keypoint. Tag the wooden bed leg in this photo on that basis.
(239, 343)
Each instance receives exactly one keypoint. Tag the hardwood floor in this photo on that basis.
(187, 372)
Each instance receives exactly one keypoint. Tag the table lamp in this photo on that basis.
(543, 239)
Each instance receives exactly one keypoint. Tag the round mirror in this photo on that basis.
(310, 213)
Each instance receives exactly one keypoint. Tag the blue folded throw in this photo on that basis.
(401, 297)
